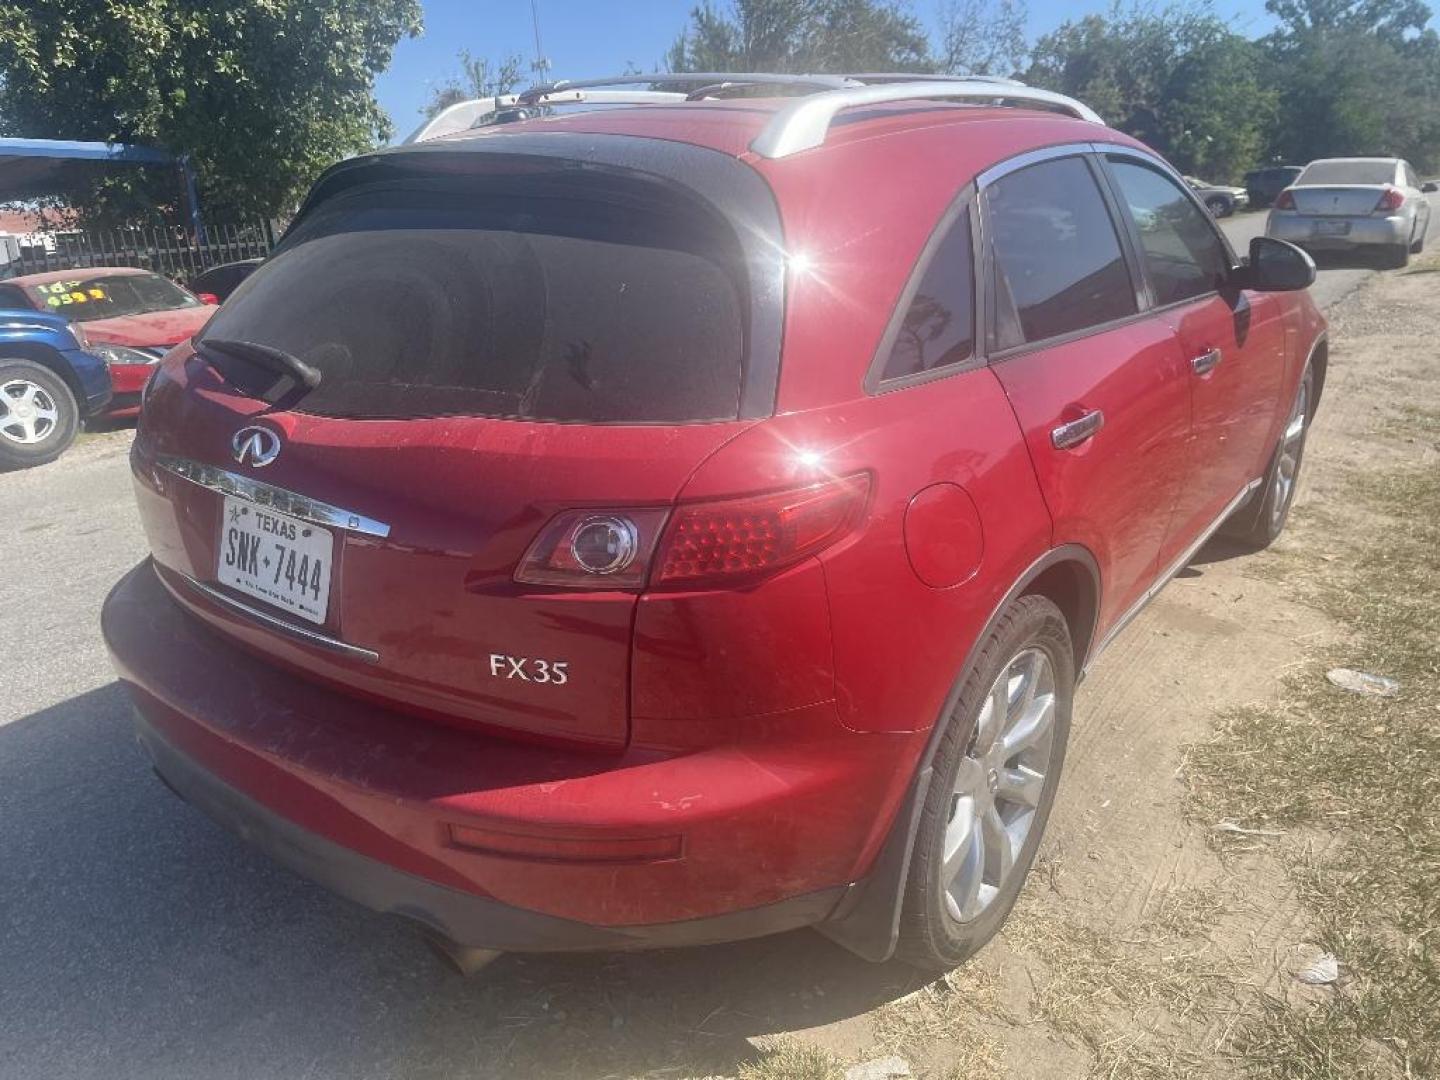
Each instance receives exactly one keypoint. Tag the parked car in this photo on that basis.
(129, 317)
(219, 282)
(634, 529)
(1221, 200)
(1262, 185)
(48, 385)
(1347, 203)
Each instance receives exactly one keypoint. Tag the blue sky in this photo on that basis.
(598, 37)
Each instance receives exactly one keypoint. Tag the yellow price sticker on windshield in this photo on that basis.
(60, 293)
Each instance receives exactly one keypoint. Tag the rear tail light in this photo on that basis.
(718, 541)
(1285, 200)
(1392, 198)
(737, 537)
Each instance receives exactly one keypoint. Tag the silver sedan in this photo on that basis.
(1347, 203)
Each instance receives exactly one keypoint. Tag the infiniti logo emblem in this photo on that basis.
(256, 446)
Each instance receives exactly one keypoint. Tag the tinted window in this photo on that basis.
(1058, 261)
(939, 324)
(12, 298)
(573, 298)
(1342, 171)
(1183, 255)
(110, 296)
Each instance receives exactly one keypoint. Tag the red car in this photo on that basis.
(129, 318)
(687, 522)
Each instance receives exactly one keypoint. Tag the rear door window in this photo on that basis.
(1183, 256)
(1058, 262)
(938, 329)
(582, 299)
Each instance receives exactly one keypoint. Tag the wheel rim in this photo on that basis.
(999, 785)
(28, 414)
(1292, 446)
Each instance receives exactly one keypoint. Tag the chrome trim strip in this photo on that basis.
(1181, 561)
(299, 633)
(45, 327)
(286, 502)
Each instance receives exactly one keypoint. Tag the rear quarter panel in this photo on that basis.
(894, 644)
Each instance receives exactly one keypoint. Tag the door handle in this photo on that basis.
(1077, 431)
(1206, 362)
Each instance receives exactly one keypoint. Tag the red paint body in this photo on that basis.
(151, 330)
(762, 734)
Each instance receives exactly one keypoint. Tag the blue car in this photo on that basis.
(48, 385)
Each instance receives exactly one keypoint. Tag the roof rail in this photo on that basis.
(871, 78)
(461, 116)
(799, 125)
(690, 78)
(803, 123)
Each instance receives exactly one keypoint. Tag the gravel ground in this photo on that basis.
(138, 940)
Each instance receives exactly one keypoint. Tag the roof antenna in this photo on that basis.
(541, 66)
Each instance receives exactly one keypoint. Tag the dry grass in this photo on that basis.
(943, 1020)
(1139, 998)
(1367, 771)
(790, 1059)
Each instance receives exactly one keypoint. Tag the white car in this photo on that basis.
(1348, 203)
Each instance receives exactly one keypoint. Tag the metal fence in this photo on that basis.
(166, 249)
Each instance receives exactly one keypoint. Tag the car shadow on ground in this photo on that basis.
(1355, 259)
(139, 939)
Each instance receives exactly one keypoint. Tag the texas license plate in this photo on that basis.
(1332, 228)
(276, 558)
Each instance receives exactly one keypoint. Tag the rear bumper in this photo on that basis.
(733, 842)
(1364, 231)
(461, 917)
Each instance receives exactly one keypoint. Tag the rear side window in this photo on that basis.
(1183, 255)
(1058, 263)
(938, 329)
(584, 298)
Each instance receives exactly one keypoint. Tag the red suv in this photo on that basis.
(682, 522)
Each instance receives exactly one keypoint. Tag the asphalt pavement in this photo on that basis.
(1339, 273)
(139, 940)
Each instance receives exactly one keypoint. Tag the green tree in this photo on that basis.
(982, 38)
(1354, 78)
(479, 78)
(1178, 79)
(802, 36)
(261, 94)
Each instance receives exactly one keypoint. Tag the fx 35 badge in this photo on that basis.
(528, 670)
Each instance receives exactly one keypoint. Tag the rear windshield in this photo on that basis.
(588, 298)
(110, 296)
(1348, 172)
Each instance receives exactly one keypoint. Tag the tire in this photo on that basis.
(38, 415)
(1259, 524)
(1419, 243)
(1217, 206)
(943, 923)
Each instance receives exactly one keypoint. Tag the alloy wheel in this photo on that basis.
(28, 414)
(1292, 445)
(999, 784)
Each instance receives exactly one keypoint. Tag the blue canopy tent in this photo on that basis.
(30, 168)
